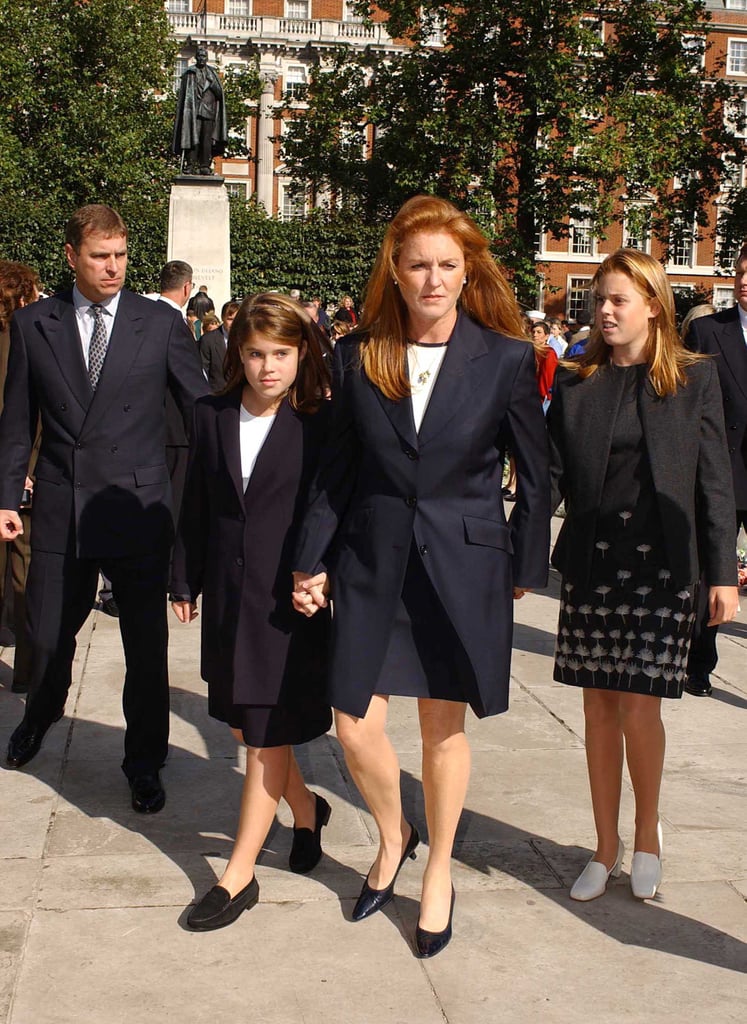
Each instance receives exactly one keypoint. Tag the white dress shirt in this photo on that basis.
(85, 318)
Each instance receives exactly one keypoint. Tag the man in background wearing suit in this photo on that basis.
(724, 335)
(96, 364)
(213, 345)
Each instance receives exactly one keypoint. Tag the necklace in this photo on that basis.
(425, 361)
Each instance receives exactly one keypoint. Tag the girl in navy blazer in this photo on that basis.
(254, 451)
(406, 514)
(639, 454)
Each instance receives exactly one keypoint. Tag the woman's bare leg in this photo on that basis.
(446, 770)
(298, 796)
(645, 743)
(373, 764)
(604, 759)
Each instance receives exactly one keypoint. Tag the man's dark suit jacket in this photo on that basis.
(213, 352)
(721, 336)
(102, 485)
(684, 435)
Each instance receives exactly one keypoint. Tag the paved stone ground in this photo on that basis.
(93, 896)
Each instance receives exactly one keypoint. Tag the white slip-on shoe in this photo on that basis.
(592, 881)
(645, 871)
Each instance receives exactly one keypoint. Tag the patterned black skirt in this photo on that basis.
(626, 635)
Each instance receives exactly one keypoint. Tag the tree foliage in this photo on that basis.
(523, 117)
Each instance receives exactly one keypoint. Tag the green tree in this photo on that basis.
(83, 119)
(523, 117)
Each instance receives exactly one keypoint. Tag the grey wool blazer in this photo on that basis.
(687, 450)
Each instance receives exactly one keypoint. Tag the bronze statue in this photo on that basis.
(200, 129)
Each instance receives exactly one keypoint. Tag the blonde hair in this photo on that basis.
(486, 297)
(665, 354)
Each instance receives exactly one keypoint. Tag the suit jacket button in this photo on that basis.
(126, 408)
(411, 502)
(114, 448)
(63, 407)
(732, 450)
(78, 444)
(78, 485)
(239, 561)
(411, 453)
(423, 549)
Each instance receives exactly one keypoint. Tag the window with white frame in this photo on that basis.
(696, 47)
(295, 79)
(727, 244)
(578, 297)
(177, 6)
(637, 227)
(297, 10)
(436, 24)
(593, 45)
(723, 296)
(736, 57)
(239, 8)
(732, 177)
(681, 242)
(735, 116)
(292, 206)
(236, 189)
(350, 14)
(736, 5)
(582, 236)
(179, 68)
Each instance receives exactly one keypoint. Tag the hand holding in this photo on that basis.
(310, 592)
(10, 524)
(520, 591)
(723, 604)
(185, 611)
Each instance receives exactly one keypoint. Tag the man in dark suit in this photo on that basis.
(96, 364)
(213, 345)
(724, 335)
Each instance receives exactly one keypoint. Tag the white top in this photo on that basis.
(85, 318)
(423, 363)
(253, 431)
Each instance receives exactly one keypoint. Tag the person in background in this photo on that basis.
(649, 508)
(346, 312)
(19, 287)
(557, 339)
(580, 339)
(546, 359)
(214, 346)
(253, 453)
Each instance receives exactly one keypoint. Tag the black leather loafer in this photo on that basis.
(306, 851)
(371, 900)
(26, 741)
(216, 909)
(430, 943)
(698, 685)
(148, 795)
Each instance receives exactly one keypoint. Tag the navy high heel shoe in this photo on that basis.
(430, 943)
(371, 900)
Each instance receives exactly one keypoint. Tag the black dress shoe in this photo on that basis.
(306, 851)
(698, 685)
(110, 607)
(430, 943)
(216, 909)
(371, 900)
(26, 741)
(148, 795)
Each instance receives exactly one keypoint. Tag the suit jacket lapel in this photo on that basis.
(595, 419)
(128, 334)
(732, 344)
(458, 377)
(228, 429)
(60, 329)
(278, 451)
(400, 414)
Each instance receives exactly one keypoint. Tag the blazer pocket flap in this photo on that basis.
(46, 471)
(145, 475)
(487, 532)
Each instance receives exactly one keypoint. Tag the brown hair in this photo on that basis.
(286, 322)
(19, 285)
(665, 354)
(94, 217)
(486, 297)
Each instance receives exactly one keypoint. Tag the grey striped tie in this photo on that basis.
(99, 342)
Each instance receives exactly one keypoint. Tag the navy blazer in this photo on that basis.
(102, 482)
(686, 446)
(382, 486)
(721, 336)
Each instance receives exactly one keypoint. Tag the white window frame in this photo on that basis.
(180, 66)
(683, 260)
(581, 240)
(736, 56)
(350, 15)
(235, 188)
(736, 109)
(723, 294)
(290, 207)
(735, 5)
(694, 43)
(595, 25)
(573, 295)
(291, 10)
(628, 237)
(178, 6)
(238, 8)
(292, 78)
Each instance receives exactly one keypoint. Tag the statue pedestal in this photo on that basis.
(200, 231)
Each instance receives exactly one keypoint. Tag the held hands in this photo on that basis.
(723, 604)
(10, 524)
(519, 592)
(310, 592)
(185, 611)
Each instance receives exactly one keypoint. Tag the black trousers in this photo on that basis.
(703, 654)
(60, 593)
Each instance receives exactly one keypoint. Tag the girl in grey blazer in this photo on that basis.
(638, 453)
